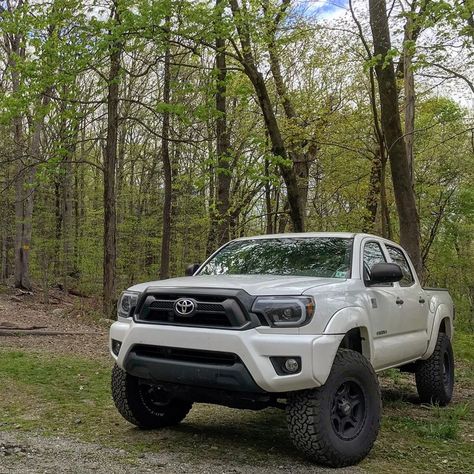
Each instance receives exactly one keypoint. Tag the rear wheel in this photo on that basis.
(144, 405)
(435, 376)
(336, 425)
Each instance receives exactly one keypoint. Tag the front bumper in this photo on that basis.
(254, 347)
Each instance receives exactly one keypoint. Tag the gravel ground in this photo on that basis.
(28, 454)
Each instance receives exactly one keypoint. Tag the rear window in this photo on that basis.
(399, 258)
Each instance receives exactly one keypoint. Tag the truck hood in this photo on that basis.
(256, 285)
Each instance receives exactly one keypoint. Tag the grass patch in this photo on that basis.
(52, 393)
(67, 396)
(464, 347)
(443, 424)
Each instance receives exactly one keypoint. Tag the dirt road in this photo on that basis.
(33, 454)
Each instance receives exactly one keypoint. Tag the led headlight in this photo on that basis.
(285, 311)
(126, 304)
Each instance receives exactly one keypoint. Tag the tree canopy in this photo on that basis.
(137, 136)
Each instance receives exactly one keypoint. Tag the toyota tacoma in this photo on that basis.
(298, 321)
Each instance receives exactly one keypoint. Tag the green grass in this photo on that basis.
(464, 347)
(443, 424)
(66, 396)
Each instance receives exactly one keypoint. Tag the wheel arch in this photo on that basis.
(442, 323)
(357, 339)
(354, 324)
(445, 327)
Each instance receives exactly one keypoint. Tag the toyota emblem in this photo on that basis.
(184, 307)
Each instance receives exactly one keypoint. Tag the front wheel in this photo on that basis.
(144, 405)
(435, 375)
(337, 424)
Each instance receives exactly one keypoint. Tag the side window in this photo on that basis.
(399, 258)
(372, 254)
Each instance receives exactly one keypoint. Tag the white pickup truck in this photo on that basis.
(297, 321)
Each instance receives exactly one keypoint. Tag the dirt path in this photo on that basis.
(31, 454)
(63, 313)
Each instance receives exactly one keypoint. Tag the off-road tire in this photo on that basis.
(435, 376)
(310, 414)
(131, 397)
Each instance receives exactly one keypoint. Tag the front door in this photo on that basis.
(381, 303)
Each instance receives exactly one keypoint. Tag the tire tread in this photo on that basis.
(305, 430)
(429, 375)
(127, 400)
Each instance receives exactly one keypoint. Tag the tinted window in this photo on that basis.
(372, 254)
(313, 257)
(399, 258)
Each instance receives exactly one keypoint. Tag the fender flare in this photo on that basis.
(442, 312)
(353, 317)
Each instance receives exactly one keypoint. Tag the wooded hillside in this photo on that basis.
(138, 136)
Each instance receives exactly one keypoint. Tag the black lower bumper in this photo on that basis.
(160, 367)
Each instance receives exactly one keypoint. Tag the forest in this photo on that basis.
(137, 136)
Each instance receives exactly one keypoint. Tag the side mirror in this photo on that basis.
(191, 269)
(385, 273)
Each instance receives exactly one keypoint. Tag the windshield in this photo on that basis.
(328, 257)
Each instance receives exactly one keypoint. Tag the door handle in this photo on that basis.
(421, 300)
(399, 301)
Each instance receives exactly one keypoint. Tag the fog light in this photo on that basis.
(116, 345)
(291, 366)
(286, 365)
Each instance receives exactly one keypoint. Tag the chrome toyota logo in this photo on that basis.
(184, 307)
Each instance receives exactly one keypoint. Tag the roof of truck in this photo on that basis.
(343, 235)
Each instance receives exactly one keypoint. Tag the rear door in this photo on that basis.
(412, 318)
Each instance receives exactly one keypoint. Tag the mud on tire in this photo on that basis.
(144, 405)
(435, 376)
(337, 424)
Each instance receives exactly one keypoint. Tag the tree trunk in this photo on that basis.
(22, 279)
(110, 162)
(25, 192)
(21, 267)
(4, 253)
(379, 165)
(167, 171)
(391, 125)
(287, 170)
(373, 195)
(268, 200)
(67, 203)
(79, 199)
(384, 209)
(301, 159)
(211, 235)
(223, 172)
(409, 85)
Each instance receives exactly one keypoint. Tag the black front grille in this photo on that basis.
(207, 314)
(211, 307)
(167, 305)
(186, 355)
(160, 304)
(216, 310)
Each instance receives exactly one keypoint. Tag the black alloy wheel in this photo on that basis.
(348, 410)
